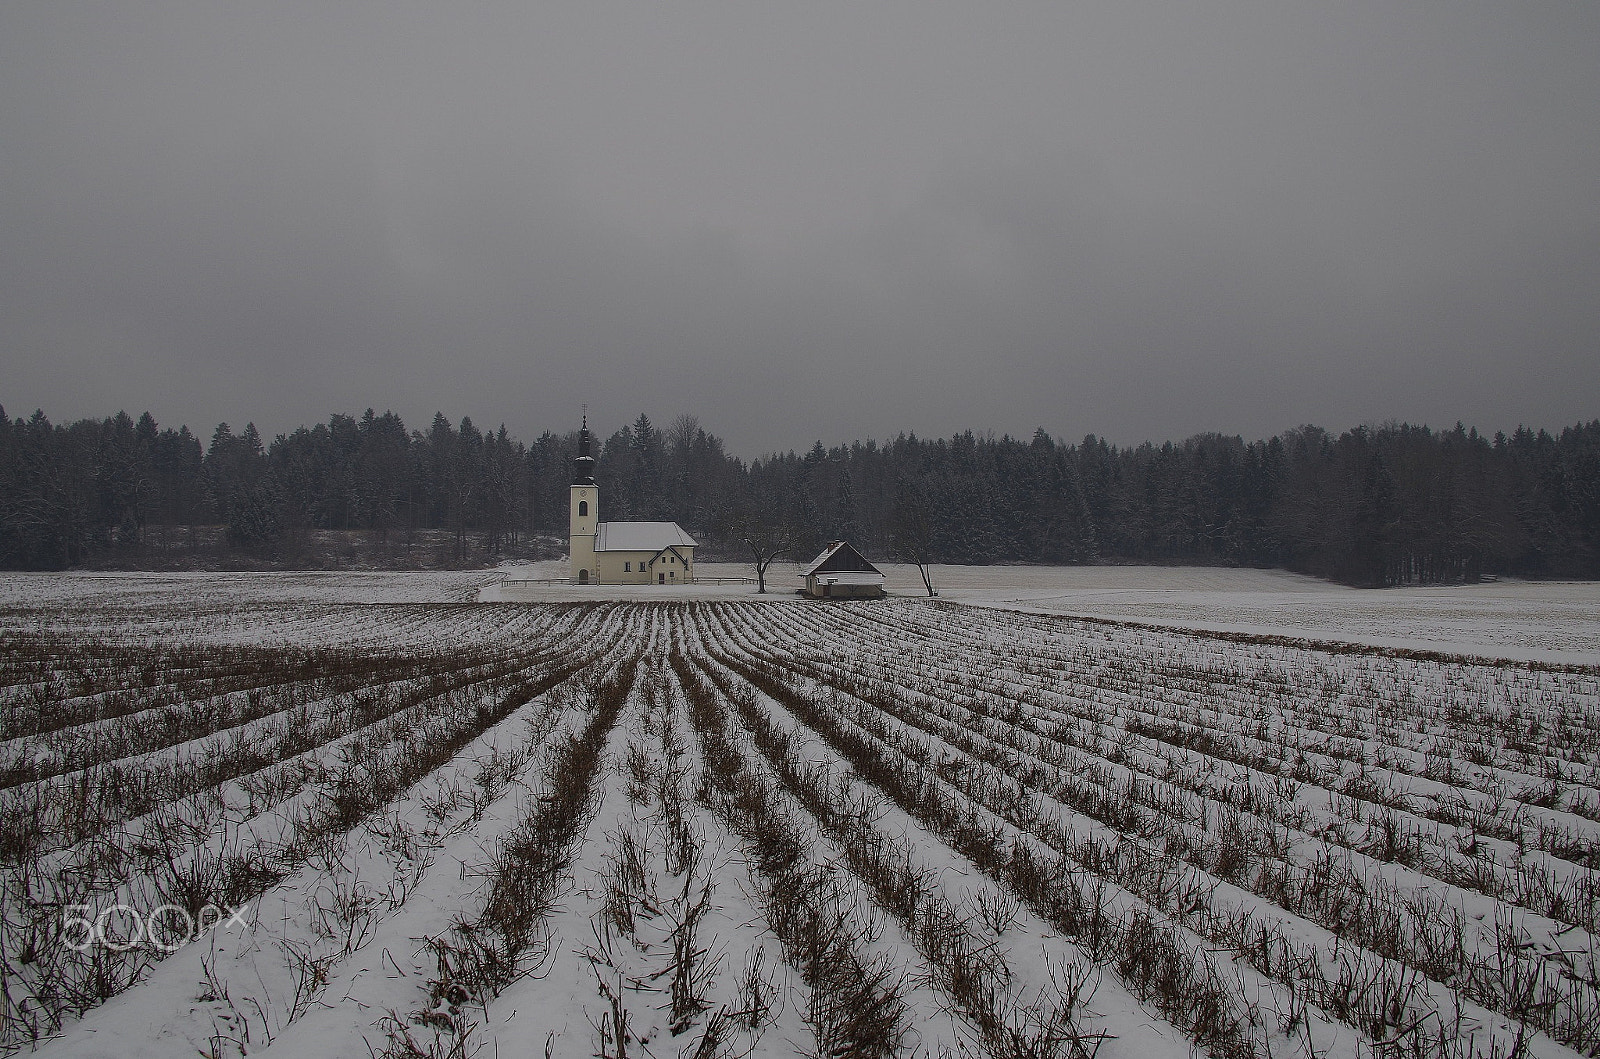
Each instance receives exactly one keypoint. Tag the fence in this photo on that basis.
(505, 580)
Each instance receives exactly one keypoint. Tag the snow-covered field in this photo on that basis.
(708, 823)
(1549, 620)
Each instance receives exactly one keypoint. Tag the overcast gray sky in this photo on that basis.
(814, 220)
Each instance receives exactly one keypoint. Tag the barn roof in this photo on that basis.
(640, 536)
(839, 555)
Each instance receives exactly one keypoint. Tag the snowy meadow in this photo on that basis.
(1096, 812)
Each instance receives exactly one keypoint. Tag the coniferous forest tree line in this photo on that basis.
(1390, 505)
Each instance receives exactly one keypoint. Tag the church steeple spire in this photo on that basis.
(583, 466)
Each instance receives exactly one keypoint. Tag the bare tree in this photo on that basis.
(681, 434)
(768, 542)
(913, 530)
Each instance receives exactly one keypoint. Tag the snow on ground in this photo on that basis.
(1554, 621)
(394, 882)
(202, 589)
(1185, 816)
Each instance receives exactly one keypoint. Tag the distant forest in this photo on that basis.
(1392, 505)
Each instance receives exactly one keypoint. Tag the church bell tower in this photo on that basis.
(584, 514)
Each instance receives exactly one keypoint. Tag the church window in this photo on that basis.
(627, 568)
(583, 507)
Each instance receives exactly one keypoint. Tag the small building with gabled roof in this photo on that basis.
(647, 553)
(841, 572)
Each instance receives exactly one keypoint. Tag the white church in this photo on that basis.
(621, 553)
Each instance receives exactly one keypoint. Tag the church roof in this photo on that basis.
(640, 536)
(839, 555)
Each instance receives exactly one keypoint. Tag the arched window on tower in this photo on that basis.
(583, 508)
